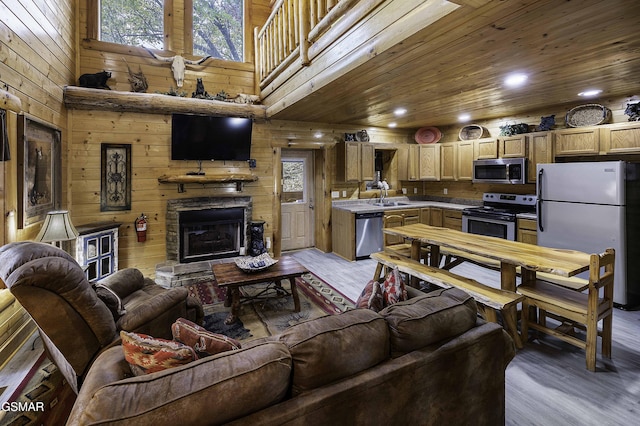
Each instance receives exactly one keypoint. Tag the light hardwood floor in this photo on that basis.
(547, 382)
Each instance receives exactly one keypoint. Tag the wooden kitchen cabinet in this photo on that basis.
(435, 216)
(512, 146)
(527, 231)
(452, 219)
(578, 141)
(425, 215)
(402, 157)
(355, 161)
(540, 151)
(621, 138)
(343, 233)
(448, 153)
(465, 160)
(367, 161)
(485, 149)
(424, 162)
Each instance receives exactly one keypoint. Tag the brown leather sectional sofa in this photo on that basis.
(428, 360)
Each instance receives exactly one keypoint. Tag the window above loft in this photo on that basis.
(207, 27)
(132, 22)
(218, 29)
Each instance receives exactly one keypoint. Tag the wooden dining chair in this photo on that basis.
(581, 310)
(395, 244)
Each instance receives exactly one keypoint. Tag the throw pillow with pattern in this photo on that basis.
(371, 297)
(146, 354)
(393, 288)
(200, 339)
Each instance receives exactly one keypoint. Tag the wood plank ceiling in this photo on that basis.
(458, 65)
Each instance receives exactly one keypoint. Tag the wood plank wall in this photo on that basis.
(37, 58)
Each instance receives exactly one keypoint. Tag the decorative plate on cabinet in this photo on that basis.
(588, 115)
(472, 132)
(428, 135)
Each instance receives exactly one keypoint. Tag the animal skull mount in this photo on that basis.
(178, 65)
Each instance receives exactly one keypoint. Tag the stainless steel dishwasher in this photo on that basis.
(368, 234)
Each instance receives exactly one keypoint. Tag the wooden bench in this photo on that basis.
(573, 283)
(488, 299)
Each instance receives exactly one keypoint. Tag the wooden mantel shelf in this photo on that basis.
(155, 103)
(10, 102)
(237, 178)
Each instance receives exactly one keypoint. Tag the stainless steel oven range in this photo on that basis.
(497, 216)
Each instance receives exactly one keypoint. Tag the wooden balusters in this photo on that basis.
(287, 29)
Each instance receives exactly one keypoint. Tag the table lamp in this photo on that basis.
(57, 227)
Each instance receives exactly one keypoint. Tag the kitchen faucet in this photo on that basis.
(384, 190)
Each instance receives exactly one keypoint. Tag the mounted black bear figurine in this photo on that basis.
(95, 81)
(200, 92)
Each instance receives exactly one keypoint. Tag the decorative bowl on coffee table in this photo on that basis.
(255, 263)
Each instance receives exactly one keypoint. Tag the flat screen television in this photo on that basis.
(203, 137)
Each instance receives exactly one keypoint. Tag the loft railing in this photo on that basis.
(295, 25)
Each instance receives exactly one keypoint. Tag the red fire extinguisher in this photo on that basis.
(141, 228)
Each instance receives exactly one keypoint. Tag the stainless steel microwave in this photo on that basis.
(500, 170)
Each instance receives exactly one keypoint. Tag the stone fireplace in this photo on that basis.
(210, 234)
(199, 231)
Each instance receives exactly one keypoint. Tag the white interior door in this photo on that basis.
(297, 200)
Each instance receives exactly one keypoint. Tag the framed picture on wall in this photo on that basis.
(115, 179)
(39, 174)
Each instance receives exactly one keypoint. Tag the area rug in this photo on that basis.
(43, 398)
(267, 317)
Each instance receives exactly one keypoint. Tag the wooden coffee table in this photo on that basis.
(229, 276)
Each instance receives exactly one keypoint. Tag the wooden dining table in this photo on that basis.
(510, 254)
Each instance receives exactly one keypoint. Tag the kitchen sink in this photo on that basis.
(390, 204)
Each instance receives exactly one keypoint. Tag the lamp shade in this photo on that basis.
(57, 227)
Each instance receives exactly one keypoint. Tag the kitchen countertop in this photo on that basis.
(531, 216)
(368, 206)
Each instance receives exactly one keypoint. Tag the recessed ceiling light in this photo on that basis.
(392, 125)
(464, 117)
(317, 135)
(515, 80)
(590, 92)
(400, 111)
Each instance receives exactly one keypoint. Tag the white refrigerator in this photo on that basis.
(590, 206)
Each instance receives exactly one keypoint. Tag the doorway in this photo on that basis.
(297, 208)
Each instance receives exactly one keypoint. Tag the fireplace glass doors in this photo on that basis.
(210, 234)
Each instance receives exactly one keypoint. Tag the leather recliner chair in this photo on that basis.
(75, 325)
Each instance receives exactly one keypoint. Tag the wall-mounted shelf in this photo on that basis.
(236, 178)
(155, 103)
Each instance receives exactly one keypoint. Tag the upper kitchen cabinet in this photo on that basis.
(465, 158)
(402, 157)
(485, 149)
(355, 161)
(512, 146)
(540, 151)
(424, 162)
(578, 141)
(448, 160)
(621, 138)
